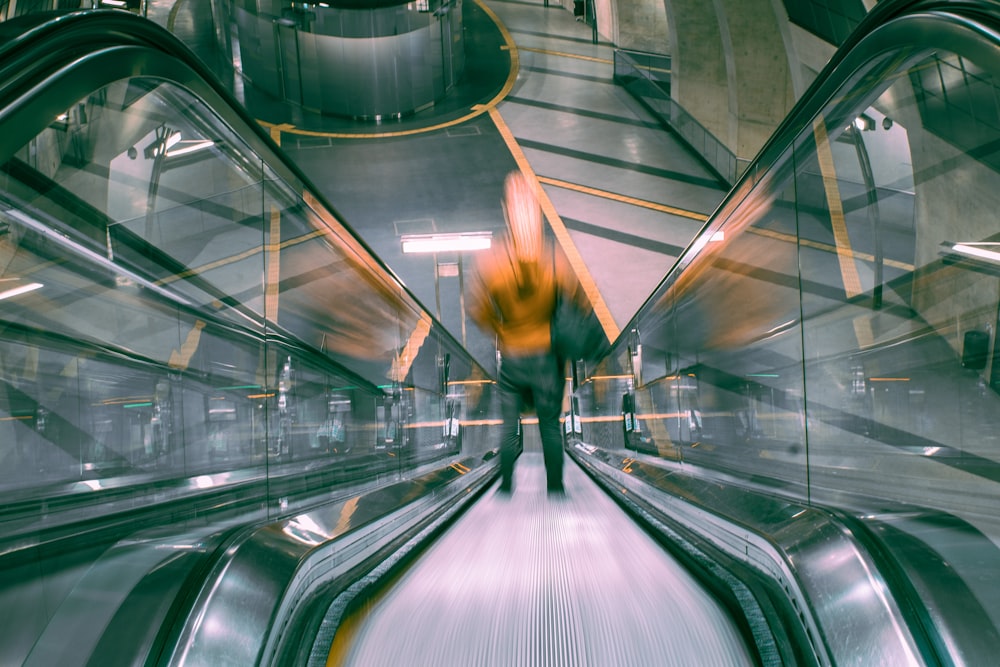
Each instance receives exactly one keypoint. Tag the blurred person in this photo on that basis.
(514, 296)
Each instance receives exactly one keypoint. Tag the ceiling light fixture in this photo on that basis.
(460, 242)
(23, 289)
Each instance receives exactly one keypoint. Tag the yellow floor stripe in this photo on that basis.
(179, 359)
(406, 357)
(563, 54)
(561, 233)
(791, 238)
(863, 332)
(172, 16)
(848, 271)
(273, 267)
(604, 194)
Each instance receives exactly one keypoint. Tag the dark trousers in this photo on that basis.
(524, 381)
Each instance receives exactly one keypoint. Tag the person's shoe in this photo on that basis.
(556, 490)
(505, 489)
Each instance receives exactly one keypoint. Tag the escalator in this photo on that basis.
(202, 364)
(532, 579)
(808, 400)
(223, 418)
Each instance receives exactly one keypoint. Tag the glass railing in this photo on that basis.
(646, 76)
(831, 336)
(182, 315)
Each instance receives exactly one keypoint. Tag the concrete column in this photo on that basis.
(698, 79)
(640, 25)
(759, 79)
(730, 68)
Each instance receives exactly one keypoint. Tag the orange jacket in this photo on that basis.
(520, 316)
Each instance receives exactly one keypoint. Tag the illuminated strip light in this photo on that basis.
(428, 243)
(598, 420)
(23, 289)
(435, 424)
(703, 240)
(483, 422)
(888, 379)
(122, 400)
(189, 146)
(977, 250)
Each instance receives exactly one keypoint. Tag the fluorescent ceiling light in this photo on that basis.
(980, 250)
(23, 289)
(705, 239)
(423, 243)
(189, 146)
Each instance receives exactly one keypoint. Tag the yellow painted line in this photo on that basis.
(276, 130)
(863, 332)
(401, 365)
(848, 270)
(271, 289)
(225, 261)
(625, 199)
(180, 359)
(476, 110)
(563, 54)
(172, 16)
(791, 238)
(561, 233)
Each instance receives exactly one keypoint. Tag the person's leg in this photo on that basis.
(510, 412)
(549, 388)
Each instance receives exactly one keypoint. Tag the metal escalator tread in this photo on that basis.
(536, 580)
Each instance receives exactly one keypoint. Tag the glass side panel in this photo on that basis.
(173, 310)
(721, 383)
(866, 261)
(902, 394)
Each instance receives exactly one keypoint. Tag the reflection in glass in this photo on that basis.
(173, 308)
(832, 335)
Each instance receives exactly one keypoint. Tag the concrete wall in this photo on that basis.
(639, 25)
(738, 65)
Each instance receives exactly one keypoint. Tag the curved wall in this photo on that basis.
(370, 62)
